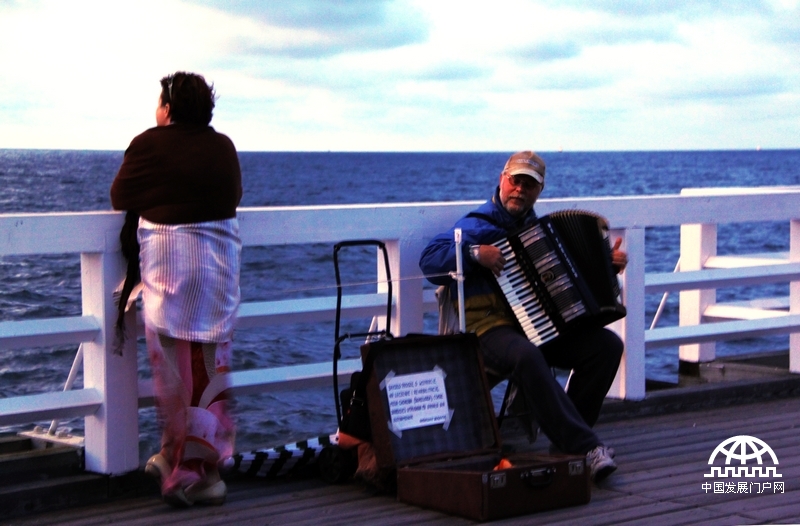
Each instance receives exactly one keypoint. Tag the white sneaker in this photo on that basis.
(555, 451)
(600, 463)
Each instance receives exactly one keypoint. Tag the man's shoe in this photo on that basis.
(600, 463)
(553, 450)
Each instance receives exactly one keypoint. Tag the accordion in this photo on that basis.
(558, 275)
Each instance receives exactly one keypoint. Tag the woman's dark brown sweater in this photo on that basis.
(179, 174)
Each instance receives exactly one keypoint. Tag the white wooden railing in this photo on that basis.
(112, 393)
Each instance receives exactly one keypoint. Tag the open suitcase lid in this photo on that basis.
(429, 399)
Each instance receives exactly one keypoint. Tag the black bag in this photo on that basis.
(355, 417)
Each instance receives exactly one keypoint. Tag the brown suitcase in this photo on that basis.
(432, 419)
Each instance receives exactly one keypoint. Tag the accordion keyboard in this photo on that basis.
(519, 285)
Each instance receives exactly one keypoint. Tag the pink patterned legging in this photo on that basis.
(190, 381)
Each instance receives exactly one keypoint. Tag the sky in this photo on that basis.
(410, 75)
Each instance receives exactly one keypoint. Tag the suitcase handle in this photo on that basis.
(538, 478)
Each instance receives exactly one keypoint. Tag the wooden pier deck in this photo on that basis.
(662, 460)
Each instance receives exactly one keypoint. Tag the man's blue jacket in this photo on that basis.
(484, 306)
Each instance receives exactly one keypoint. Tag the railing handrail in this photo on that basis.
(719, 278)
(33, 233)
(405, 228)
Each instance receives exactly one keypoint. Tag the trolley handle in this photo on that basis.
(365, 242)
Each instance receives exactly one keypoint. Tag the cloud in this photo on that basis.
(323, 28)
(724, 90)
(405, 74)
(450, 71)
(318, 14)
(784, 28)
(547, 51)
(684, 8)
(602, 33)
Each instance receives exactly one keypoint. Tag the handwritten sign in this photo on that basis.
(417, 400)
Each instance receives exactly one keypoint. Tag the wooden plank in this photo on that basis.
(665, 210)
(612, 510)
(59, 233)
(656, 283)
(771, 417)
(747, 260)
(724, 330)
(99, 231)
(701, 447)
(686, 440)
(45, 406)
(768, 508)
(739, 190)
(720, 312)
(256, 314)
(662, 461)
(654, 513)
(776, 303)
(684, 424)
(275, 379)
(291, 377)
(48, 331)
(689, 491)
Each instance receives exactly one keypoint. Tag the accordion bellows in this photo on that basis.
(559, 276)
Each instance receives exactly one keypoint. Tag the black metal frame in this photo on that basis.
(386, 333)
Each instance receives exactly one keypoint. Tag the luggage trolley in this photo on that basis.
(335, 463)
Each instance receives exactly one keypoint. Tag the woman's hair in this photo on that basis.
(191, 100)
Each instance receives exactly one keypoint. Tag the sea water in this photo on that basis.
(61, 181)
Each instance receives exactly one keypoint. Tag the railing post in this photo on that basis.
(630, 380)
(698, 243)
(794, 296)
(404, 262)
(112, 433)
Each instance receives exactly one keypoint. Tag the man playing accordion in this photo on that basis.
(592, 354)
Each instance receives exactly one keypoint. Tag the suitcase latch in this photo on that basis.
(576, 468)
(538, 478)
(497, 480)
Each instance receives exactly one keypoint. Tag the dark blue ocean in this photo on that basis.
(59, 181)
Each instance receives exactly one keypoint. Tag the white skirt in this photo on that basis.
(190, 274)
